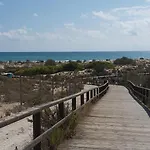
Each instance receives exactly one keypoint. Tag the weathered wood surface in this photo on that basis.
(116, 122)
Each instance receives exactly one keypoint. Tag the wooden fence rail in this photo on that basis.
(143, 94)
(35, 144)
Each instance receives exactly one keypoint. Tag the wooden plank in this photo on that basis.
(74, 105)
(82, 99)
(87, 96)
(61, 111)
(115, 122)
(91, 93)
(37, 128)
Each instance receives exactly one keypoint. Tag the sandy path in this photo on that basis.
(20, 133)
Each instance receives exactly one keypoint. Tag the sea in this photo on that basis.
(62, 56)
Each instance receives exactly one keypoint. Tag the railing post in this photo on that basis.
(82, 99)
(148, 101)
(94, 92)
(143, 93)
(87, 96)
(146, 94)
(37, 128)
(97, 92)
(21, 91)
(139, 90)
(74, 104)
(91, 93)
(61, 110)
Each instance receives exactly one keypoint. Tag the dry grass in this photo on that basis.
(35, 91)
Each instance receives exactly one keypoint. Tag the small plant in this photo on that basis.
(7, 113)
(65, 131)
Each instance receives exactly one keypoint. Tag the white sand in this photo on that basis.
(5, 106)
(17, 134)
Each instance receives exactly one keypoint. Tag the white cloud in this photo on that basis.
(137, 11)
(17, 34)
(69, 25)
(129, 8)
(1, 3)
(105, 16)
(147, 0)
(133, 21)
(84, 16)
(26, 34)
(126, 28)
(48, 36)
(35, 15)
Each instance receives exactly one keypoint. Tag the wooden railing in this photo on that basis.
(86, 97)
(143, 94)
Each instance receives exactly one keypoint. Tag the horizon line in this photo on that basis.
(78, 51)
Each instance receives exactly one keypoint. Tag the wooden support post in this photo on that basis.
(143, 98)
(99, 89)
(91, 93)
(52, 88)
(21, 91)
(148, 101)
(82, 99)
(87, 96)
(94, 92)
(140, 92)
(40, 88)
(61, 113)
(146, 94)
(37, 128)
(97, 92)
(74, 104)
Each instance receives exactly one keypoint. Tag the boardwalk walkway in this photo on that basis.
(116, 122)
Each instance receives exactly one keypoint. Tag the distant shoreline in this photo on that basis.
(63, 56)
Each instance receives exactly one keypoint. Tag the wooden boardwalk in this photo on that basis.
(116, 122)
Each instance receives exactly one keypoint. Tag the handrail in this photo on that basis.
(141, 92)
(36, 112)
(138, 86)
(39, 138)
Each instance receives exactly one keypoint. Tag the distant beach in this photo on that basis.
(61, 56)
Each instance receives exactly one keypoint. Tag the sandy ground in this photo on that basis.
(20, 133)
(17, 134)
(4, 107)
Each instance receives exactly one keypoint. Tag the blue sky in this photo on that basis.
(74, 25)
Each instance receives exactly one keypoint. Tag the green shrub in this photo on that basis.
(124, 61)
(50, 62)
(72, 66)
(99, 67)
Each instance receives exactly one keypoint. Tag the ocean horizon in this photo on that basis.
(62, 56)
